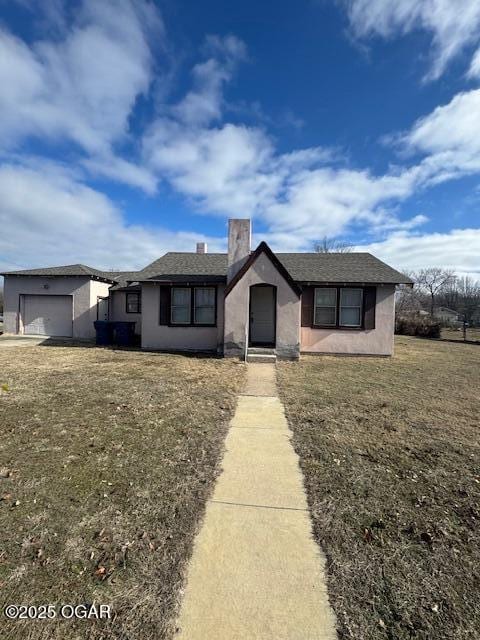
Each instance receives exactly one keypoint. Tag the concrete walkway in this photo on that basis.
(10, 340)
(20, 341)
(256, 572)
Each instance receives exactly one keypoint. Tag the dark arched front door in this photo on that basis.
(263, 303)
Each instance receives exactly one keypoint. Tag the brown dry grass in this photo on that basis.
(473, 334)
(106, 461)
(390, 452)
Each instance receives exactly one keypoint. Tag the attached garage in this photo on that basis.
(48, 315)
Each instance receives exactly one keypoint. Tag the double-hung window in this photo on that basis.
(204, 305)
(193, 306)
(338, 307)
(325, 307)
(181, 305)
(351, 301)
(134, 302)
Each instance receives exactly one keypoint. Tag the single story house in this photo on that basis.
(225, 303)
(447, 316)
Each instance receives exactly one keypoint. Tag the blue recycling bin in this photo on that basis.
(124, 333)
(104, 332)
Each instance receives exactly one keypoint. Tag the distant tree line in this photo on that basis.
(436, 288)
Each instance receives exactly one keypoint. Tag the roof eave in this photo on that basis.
(11, 274)
(184, 279)
(350, 283)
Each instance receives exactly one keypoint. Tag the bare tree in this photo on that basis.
(328, 245)
(470, 307)
(433, 281)
(408, 300)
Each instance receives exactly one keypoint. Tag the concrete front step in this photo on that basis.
(262, 350)
(261, 357)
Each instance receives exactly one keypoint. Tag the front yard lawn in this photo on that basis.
(106, 461)
(473, 334)
(391, 457)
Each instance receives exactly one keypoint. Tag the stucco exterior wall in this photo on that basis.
(118, 310)
(378, 341)
(78, 287)
(163, 337)
(288, 310)
(97, 290)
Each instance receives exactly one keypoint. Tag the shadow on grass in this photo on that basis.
(59, 342)
(451, 340)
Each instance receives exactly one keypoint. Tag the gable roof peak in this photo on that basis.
(263, 248)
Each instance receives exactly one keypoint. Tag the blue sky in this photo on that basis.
(131, 128)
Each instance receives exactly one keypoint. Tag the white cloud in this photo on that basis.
(235, 170)
(204, 103)
(457, 249)
(453, 24)
(120, 170)
(83, 86)
(232, 169)
(452, 127)
(326, 201)
(47, 217)
(449, 137)
(226, 170)
(474, 70)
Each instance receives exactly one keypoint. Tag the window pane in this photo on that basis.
(205, 315)
(325, 297)
(180, 297)
(351, 297)
(350, 316)
(325, 315)
(205, 297)
(205, 305)
(181, 315)
(133, 302)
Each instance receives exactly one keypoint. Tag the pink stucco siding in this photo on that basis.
(162, 337)
(378, 341)
(287, 313)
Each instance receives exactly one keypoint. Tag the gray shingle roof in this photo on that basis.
(123, 279)
(66, 270)
(187, 264)
(303, 267)
(340, 267)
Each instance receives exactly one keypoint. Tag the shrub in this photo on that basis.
(423, 327)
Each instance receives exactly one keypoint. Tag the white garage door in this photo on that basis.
(47, 315)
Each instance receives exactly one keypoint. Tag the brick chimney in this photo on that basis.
(201, 247)
(239, 239)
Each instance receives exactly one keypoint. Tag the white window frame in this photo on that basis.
(359, 307)
(315, 306)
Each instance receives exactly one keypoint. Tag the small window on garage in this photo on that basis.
(134, 302)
